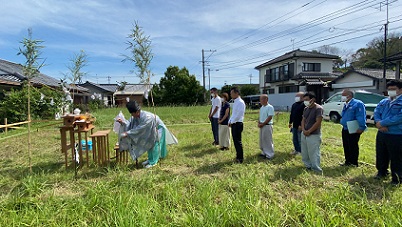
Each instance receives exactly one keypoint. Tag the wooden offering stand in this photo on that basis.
(68, 142)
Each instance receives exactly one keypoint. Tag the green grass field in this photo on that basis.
(197, 184)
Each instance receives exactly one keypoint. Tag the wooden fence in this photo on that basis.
(14, 125)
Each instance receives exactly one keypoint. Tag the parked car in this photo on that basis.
(252, 101)
(333, 105)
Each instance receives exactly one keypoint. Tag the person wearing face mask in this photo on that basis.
(296, 115)
(353, 110)
(311, 136)
(214, 115)
(224, 133)
(388, 120)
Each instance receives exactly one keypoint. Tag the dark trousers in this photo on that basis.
(389, 149)
(237, 129)
(350, 147)
(296, 139)
(215, 129)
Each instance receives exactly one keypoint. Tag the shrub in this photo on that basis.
(14, 105)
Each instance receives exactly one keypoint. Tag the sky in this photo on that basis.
(236, 35)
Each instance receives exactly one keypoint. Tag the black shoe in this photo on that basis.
(380, 176)
(348, 164)
(222, 148)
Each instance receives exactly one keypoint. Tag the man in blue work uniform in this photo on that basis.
(353, 111)
(388, 120)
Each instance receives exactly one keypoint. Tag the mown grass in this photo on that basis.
(197, 184)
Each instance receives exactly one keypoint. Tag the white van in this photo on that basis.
(333, 105)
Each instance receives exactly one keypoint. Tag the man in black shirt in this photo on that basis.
(295, 119)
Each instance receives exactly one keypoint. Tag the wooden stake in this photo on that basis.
(5, 123)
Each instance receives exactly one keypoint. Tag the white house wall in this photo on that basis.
(282, 102)
(326, 67)
(355, 81)
(326, 64)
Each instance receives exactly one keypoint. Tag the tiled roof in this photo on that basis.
(312, 82)
(109, 87)
(313, 75)
(297, 54)
(10, 78)
(134, 89)
(13, 72)
(394, 57)
(376, 73)
(105, 87)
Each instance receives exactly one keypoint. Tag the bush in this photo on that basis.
(14, 105)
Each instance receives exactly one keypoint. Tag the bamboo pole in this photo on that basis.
(29, 126)
(5, 123)
(10, 125)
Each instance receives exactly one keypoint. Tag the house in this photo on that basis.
(133, 92)
(363, 79)
(396, 59)
(11, 77)
(103, 91)
(296, 71)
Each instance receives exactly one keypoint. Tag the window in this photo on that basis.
(311, 67)
(275, 74)
(284, 72)
(289, 89)
(268, 76)
(269, 91)
(335, 98)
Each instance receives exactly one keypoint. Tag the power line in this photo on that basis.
(255, 31)
(363, 28)
(313, 23)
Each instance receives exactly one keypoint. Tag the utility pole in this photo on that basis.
(209, 79)
(203, 61)
(250, 77)
(203, 70)
(384, 75)
(108, 79)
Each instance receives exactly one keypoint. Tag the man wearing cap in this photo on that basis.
(144, 132)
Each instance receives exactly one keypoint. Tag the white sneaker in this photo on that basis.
(145, 163)
(149, 166)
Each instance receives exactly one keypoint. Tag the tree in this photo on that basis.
(77, 63)
(248, 89)
(370, 56)
(344, 55)
(141, 52)
(178, 87)
(226, 89)
(31, 51)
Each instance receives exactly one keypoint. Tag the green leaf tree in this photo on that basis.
(248, 90)
(226, 88)
(179, 87)
(370, 56)
(75, 74)
(31, 50)
(141, 55)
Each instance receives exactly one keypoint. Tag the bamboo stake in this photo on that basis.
(29, 126)
(5, 123)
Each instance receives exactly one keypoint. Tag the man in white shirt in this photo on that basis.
(236, 122)
(214, 114)
(265, 124)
